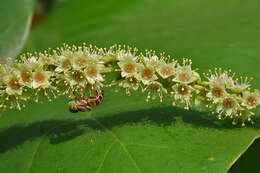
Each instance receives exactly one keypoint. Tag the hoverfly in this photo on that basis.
(85, 104)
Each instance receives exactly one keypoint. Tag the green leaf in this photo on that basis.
(15, 17)
(126, 134)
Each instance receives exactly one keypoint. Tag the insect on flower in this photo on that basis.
(85, 104)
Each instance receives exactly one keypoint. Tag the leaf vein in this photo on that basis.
(147, 145)
(105, 156)
(120, 142)
(38, 145)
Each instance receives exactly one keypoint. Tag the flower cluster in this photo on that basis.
(71, 70)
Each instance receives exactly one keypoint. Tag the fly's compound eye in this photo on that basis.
(72, 107)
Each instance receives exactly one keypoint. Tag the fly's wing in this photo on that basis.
(92, 101)
(83, 106)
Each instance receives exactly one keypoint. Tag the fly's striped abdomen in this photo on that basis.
(100, 98)
(85, 104)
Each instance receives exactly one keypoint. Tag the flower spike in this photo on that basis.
(76, 70)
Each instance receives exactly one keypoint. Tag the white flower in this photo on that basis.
(92, 73)
(13, 87)
(185, 75)
(40, 78)
(75, 78)
(243, 115)
(93, 69)
(33, 63)
(63, 64)
(130, 83)
(183, 92)
(251, 100)
(122, 54)
(220, 78)
(152, 61)
(228, 105)
(46, 59)
(109, 57)
(128, 65)
(166, 70)
(25, 75)
(241, 86)
(216, 93)
(147, 74)
(155, 89)
(80, 60)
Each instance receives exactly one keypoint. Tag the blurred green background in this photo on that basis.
(46, 138)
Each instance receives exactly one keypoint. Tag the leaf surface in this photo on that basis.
(126, 134)
(15, 17)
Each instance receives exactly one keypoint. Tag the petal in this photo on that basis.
(35, 84)
(124, 74)
(219, 108)
(59, 69)
(121, 64)
(176, 97)
(9, 91)
(99, 77)
(209, 94)
(91, 80)
(45, 84)
(216, 100)
(229, 111)
(73, 82)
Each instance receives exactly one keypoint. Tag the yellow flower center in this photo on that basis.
(183, 90)
(39, 77)
(77, 75)
(92, 72)
(26, 77)
(66, 63)
(129, 68)
(80, 62)
(228, 103)
(147, 74)
(251, 101)
(131, 80)
(14, 84)
(184, 77)
(166, 71)
(217, 92)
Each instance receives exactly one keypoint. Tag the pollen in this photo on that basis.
(80, 62)
(147, 74)
(132, 80)
(39, 77)
(183, 90)
(92, 72)
(184, 77)
(166, 70)
(228, 103)
(129, 68)
(251, 101)
(14, 84)
(77, 75)
(66, 63)
(217, 92)
(26, 77)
